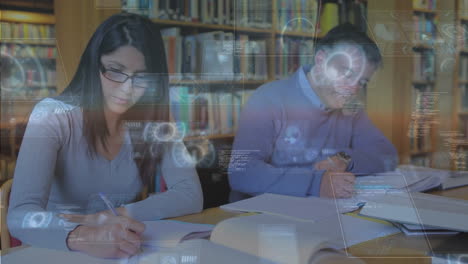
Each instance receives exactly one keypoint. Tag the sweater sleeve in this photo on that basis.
(250, 169)
(183, 196)
(27, 219)
(370, 151)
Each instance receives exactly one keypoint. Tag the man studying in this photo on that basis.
(304, 135)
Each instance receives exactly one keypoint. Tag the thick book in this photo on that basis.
(258, 239)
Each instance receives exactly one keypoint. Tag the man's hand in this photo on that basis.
(337, 184)
(118, 240)
(333, 164)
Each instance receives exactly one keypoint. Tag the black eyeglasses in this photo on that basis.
(140, 80)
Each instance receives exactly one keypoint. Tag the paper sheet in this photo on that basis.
(308, 209)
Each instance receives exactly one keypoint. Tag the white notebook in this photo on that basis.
(420, 209)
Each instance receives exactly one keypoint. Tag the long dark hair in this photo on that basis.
(85, 88)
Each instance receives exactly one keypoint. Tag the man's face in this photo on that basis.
(340, 73)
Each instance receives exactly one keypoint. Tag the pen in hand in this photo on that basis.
(111, 207)
(108, 203)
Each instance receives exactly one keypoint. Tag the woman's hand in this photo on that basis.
(100, 218)
(105, 235)
(117, 240)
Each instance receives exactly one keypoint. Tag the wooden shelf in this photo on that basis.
(423, 46)
(298, 34)
(463, 113)
(420, 152)
(39, 86)
(211, 26)
(424, 10)
(34, 58)
(216, 136)
(423, 83)
(26, 17)
(465, 19)
(41, 42)
(207, 82)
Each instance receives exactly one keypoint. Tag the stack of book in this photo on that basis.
(464, 97)
(214, 56)
(300, 16)
(206, 113)
(292, 53)
(242, 13)
(424, 65)
(463, 74)
(463, 35)
(424, 29)
(463, 8)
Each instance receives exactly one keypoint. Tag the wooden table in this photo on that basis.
(396, 248)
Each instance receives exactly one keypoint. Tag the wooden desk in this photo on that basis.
(396, 248)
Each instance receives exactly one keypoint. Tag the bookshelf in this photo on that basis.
(410, 99)
(458, 144)
(416, 140)
(28, 49)
(284, 42)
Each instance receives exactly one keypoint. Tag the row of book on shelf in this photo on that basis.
(34, 32)
(425, 4)
(463, 35)
(207, 113)
(463, 70)
(464, 97)
(298, 15)
(28, 51)
(421, 160)
(424, 28)
(463, 7)
(291, 54)
(224, 12)
(424, 68)
(424, 105)
(214, 55)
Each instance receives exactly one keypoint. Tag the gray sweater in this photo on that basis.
(54, 174)
(284, 130)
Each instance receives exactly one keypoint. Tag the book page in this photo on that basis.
(298, 208)
(198, 251)
(275, 238)
(169, 233)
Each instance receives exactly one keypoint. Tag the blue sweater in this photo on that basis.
(285, 129)
(54, 174)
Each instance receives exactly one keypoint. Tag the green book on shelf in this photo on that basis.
(329, 18)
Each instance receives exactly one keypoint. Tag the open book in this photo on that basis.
(257, 239)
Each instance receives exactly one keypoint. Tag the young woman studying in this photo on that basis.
(89, 143)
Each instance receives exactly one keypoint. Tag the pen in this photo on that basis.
(108, 203)
(112, 209)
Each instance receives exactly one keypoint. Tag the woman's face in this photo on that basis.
(120, 94)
